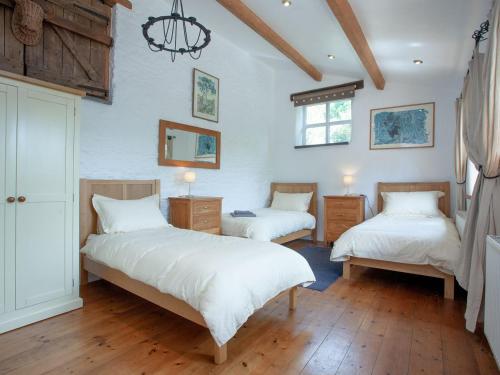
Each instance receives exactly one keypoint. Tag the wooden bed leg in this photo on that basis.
(346, 272)
(293, 298)
(220, 353)
(449, 287)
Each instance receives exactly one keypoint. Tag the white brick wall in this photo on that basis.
(121, 140)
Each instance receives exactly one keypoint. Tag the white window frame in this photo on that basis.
(327, 125)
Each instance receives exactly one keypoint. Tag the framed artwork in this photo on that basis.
(206, 147)
(205, 96)
(407, 126)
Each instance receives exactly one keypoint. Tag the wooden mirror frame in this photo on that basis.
(185, 163)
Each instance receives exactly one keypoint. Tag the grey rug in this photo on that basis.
(326, 272)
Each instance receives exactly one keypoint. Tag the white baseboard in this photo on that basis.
(23, 317)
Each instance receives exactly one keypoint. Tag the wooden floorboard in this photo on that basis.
(378, 322)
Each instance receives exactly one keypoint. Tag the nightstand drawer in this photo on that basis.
(336, 227)
(206, 207)
(203, 222)
(343, 204)
(343, 215)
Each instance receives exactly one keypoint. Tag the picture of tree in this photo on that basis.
(205, 96)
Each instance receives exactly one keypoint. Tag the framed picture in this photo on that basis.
(206, 147)
(205, 96)
(407, 126)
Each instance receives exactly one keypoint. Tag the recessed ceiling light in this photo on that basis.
(331, 57)
(418, 61)
(286, 3)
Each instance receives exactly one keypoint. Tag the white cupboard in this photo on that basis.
(39, 258)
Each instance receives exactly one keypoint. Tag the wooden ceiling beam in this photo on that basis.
(247, 16)
(126, 3)
(347, 19)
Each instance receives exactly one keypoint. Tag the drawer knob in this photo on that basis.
(205, 207)
(11, 200)
(21, 199)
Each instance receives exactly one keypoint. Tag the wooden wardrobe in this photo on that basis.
(39, 252)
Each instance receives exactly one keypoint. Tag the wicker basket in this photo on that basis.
(27, 22)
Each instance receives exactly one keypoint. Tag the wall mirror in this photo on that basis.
(188, 146)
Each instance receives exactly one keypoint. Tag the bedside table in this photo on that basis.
(341, 212)
(196, 213)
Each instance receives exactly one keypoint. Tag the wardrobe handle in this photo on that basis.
(21, 199)
(11, 200)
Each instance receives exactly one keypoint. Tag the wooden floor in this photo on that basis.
(377, 323)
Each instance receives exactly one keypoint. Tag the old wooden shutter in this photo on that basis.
(74, 50)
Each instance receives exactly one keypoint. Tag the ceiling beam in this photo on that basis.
(347, 19)
(126, 3)
(247, 16)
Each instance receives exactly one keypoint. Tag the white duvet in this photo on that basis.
(403, 239)
(269, 224)
(224, 278)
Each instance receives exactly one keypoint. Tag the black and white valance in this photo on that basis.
(326, 94)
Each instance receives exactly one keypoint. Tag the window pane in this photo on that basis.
(340, 110)
(316, 114)
(340, 133)
(316, 136)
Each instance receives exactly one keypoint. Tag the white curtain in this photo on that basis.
(481, 106)
(460, 158)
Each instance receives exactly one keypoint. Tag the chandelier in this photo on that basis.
(167, 29)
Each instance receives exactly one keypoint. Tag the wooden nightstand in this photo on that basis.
(197, 213)
(341, 212)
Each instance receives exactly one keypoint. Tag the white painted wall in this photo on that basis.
(326, 165)
(121, 140)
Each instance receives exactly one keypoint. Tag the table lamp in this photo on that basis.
(348, 182)
(189, 178)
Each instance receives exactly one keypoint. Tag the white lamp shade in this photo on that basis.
(189, 177)
(348, 180)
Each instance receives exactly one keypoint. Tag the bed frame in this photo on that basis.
(134, 189)
(283, 187)
(425, 270)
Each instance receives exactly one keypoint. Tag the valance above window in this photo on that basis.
(326, 94)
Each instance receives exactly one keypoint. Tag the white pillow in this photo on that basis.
(422, 203)
(117, 216)
(291, 201)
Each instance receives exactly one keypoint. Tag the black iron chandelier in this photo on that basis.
(170, 26)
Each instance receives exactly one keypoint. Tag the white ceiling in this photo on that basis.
(398, 31)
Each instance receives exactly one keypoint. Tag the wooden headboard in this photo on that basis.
(117, 189)
(444, 202)
(284, 187)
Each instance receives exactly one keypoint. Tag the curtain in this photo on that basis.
(481, 106)
(460, 159)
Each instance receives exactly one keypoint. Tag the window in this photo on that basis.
(472, 173)
(324, 123)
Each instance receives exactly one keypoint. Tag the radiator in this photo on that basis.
(492, 296)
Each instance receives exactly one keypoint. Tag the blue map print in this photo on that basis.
(401, 127)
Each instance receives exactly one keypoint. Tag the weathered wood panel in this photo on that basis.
(13, 50)
(75, 48)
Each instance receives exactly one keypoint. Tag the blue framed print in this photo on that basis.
(407, 126)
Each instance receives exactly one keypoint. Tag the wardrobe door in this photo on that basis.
(44, 196)
(8, 123)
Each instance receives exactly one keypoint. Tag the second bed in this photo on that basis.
(277, 225)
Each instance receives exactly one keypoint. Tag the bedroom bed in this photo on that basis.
(196, 275)
(279, 226)
(420, 245)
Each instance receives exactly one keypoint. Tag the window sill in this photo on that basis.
(323, 144)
